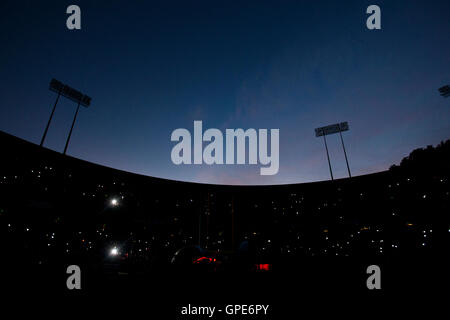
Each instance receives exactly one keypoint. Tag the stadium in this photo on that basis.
(124, 228)
(192, 157)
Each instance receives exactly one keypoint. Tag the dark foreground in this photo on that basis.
(152, 246)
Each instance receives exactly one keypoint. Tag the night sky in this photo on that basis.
(152, 67)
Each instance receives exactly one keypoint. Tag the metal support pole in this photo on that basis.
(200, 229)
(70, 133)
(208, 213)
(49, 120)
(232, 225)
(328, 157)
(345, 154)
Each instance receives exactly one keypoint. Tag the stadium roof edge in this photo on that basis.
(4, 136)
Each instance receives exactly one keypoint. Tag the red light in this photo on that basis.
(202, 259)
(263, 267)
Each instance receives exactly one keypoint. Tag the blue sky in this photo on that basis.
(152, 67)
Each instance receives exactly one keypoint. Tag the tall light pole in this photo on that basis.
(334, 128)
(343, 148)
(72, 94)
(445, 91)
(328, 156)
(71, 128)
(50, 120)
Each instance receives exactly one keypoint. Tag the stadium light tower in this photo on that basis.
(445, 91)
(334, 128)
(72, 94)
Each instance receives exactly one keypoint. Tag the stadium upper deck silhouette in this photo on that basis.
(56, 208)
